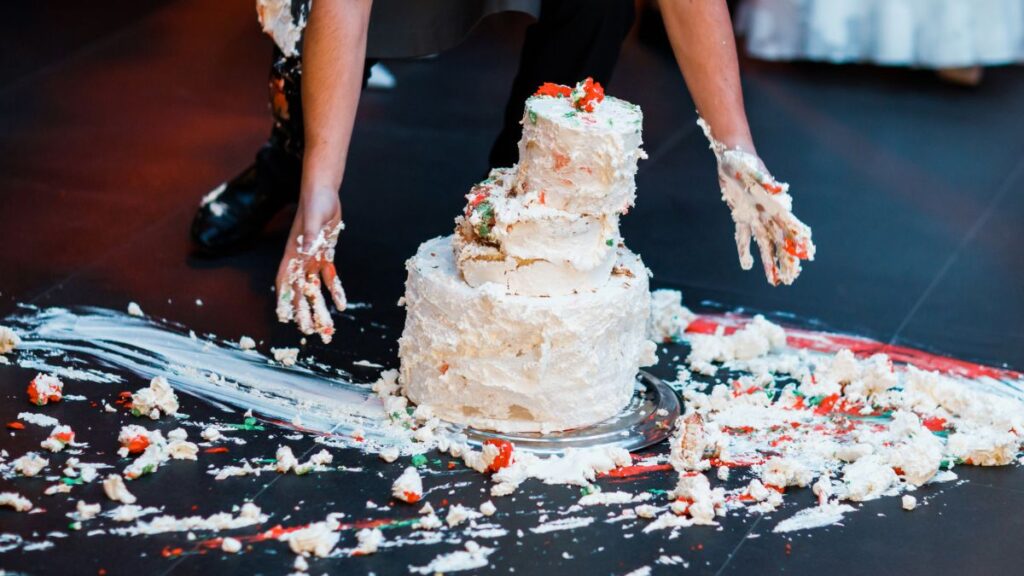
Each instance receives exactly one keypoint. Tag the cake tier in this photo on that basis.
(525, 227)
(484, 358)
(583, 162)
(481, 264)
(530, 248)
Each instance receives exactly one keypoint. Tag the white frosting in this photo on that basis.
(527, 227)
(369, 540)
(474, 556)
(409, 486)
(9, 340)
(16, 501)
(488, 359)
(249, 515)
(817, 517)
(87, 511)
(46, 388)
(318, 539)
(532, 249)
(156, 399)
(275, 18)
(762, 209)
(481, 264)
(30, 464)
(576, 466)
(231, 545)
(286, 356)
(669, 318)
(114, 488)
(585, 162)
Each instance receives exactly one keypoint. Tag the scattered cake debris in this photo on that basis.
(156, 400)
(44, 389)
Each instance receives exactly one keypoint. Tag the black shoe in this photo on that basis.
(234, 213)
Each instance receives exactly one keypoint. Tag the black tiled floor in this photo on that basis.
(975, 304)
(912, 188)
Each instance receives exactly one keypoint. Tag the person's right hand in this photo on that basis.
(308, 265)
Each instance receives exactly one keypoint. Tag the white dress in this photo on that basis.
(921, 33)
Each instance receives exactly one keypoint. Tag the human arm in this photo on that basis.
(702, 39)
(333, 57)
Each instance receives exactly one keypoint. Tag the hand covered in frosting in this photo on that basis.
(763, 211)
(307, 267)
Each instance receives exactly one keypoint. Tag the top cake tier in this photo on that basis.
(580, 149)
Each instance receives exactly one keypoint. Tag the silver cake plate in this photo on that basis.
(645, 421)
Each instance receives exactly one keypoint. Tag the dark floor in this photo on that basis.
(113, 126)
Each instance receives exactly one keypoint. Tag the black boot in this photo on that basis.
(234, 214)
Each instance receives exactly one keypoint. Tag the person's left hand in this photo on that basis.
(763, 211)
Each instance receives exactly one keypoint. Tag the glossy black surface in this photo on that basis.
(913, 189)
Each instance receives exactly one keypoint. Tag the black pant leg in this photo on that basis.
(571, 40)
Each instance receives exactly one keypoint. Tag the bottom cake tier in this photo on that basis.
(491, 360)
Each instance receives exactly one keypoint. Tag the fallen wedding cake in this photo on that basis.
(532, 317)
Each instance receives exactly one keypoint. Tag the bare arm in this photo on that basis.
(333, 57)
(705, 48)
(702, 39)
(332, 75)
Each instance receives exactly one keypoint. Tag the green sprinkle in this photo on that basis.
(657, 491)
(399, 524)
(71, 481)
(486, 212)
(532, 115)
(419, 460)
(249, 424)
(570, 114)
(609, 242)
(589, 489)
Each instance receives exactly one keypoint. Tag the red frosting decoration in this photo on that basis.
(504, 457)
(554, 90)
(593, 93)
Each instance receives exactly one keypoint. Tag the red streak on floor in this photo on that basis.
(630, 471)
(276, 532)
(717, 462)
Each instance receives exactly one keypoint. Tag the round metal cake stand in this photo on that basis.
(645, 421)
